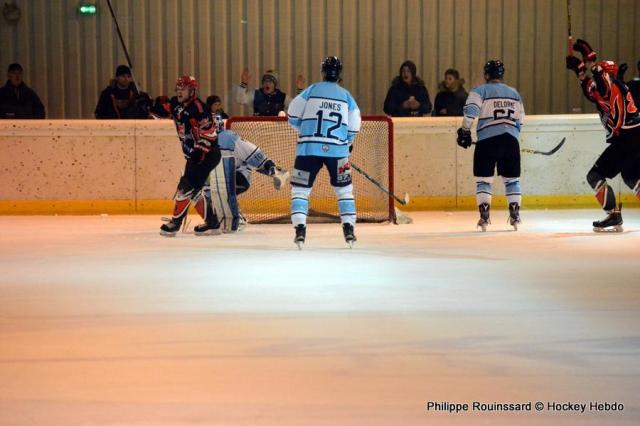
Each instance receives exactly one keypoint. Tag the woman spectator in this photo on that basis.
(408, 95)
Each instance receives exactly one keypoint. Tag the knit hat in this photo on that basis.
(271, 75)
(123, 70)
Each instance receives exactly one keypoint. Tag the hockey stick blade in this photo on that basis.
(382, 188)
(553, 151)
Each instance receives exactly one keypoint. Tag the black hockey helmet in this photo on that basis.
(495, 69)
(331, 68)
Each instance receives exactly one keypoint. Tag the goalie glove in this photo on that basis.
(280, 178)
(464, 137)
(588, 54)
(576, 65)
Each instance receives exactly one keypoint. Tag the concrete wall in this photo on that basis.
(85, 166)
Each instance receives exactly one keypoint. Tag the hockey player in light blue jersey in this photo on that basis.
(327, 119)
(500, 115)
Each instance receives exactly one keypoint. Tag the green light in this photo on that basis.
(87, 9)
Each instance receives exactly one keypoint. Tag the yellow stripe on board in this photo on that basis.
(165, 207)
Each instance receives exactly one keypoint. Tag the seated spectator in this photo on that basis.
(451, 96)
(634, 87)
(17, 100)
(269, 100)
(215, 105)
(121, 100)
(408, 96)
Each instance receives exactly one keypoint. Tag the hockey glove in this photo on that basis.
(576, 65)
(588, 54)
(464, 137)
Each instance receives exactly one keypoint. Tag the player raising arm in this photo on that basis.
(620, 118)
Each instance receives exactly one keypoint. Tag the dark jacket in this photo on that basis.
(634, 88)
(20, 102)
(401, 91)
(451, 101)
(268, 105)
(115, 103)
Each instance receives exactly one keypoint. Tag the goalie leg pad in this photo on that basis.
(346, 204)
(223, 194)
(512, 190)
(483, 190)
(299, 204)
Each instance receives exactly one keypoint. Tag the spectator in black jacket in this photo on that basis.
(451, 97)
(121, 99)
(17, 100)
(634, 87)
(408, 95)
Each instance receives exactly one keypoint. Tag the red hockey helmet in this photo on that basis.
(187, 81)
(609, 67)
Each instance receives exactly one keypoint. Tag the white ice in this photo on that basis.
(104, 322)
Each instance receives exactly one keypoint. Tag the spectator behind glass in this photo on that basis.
(215, 105)
(408, 95)
(634, 87)
(451, 97)
(120, 100)
(268, 100)
(17, 100)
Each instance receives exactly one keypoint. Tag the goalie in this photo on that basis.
(232, 177)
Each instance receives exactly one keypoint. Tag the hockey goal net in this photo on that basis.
(373, 153)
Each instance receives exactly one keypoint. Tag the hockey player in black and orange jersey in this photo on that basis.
(621, 120)
(198, 136)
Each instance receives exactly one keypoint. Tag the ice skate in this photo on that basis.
(301, 233)
(514, 215)
(349, 235)
(611, 223)
(207, 229)
(484, 216)
(171, 228)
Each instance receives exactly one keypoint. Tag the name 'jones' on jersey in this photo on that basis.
(328, 120)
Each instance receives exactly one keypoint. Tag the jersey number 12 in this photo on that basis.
(336, 126)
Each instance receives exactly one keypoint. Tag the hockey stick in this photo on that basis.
(553, 151)
(382, 188)
(124, 46)
(535, 151)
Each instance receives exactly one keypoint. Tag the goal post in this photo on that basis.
(372, 152)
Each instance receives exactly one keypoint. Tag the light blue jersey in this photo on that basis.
(498, 108)
(327, 119)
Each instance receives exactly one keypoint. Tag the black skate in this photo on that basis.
(349, 236)
(484, 216)
(301, 234)
(514, 215)
(611, 223)
(207, 229)
(170, 228)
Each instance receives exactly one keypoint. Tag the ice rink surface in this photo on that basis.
(104, 322)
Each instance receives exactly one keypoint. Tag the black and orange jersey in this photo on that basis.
(193, 122)
(618, 111)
